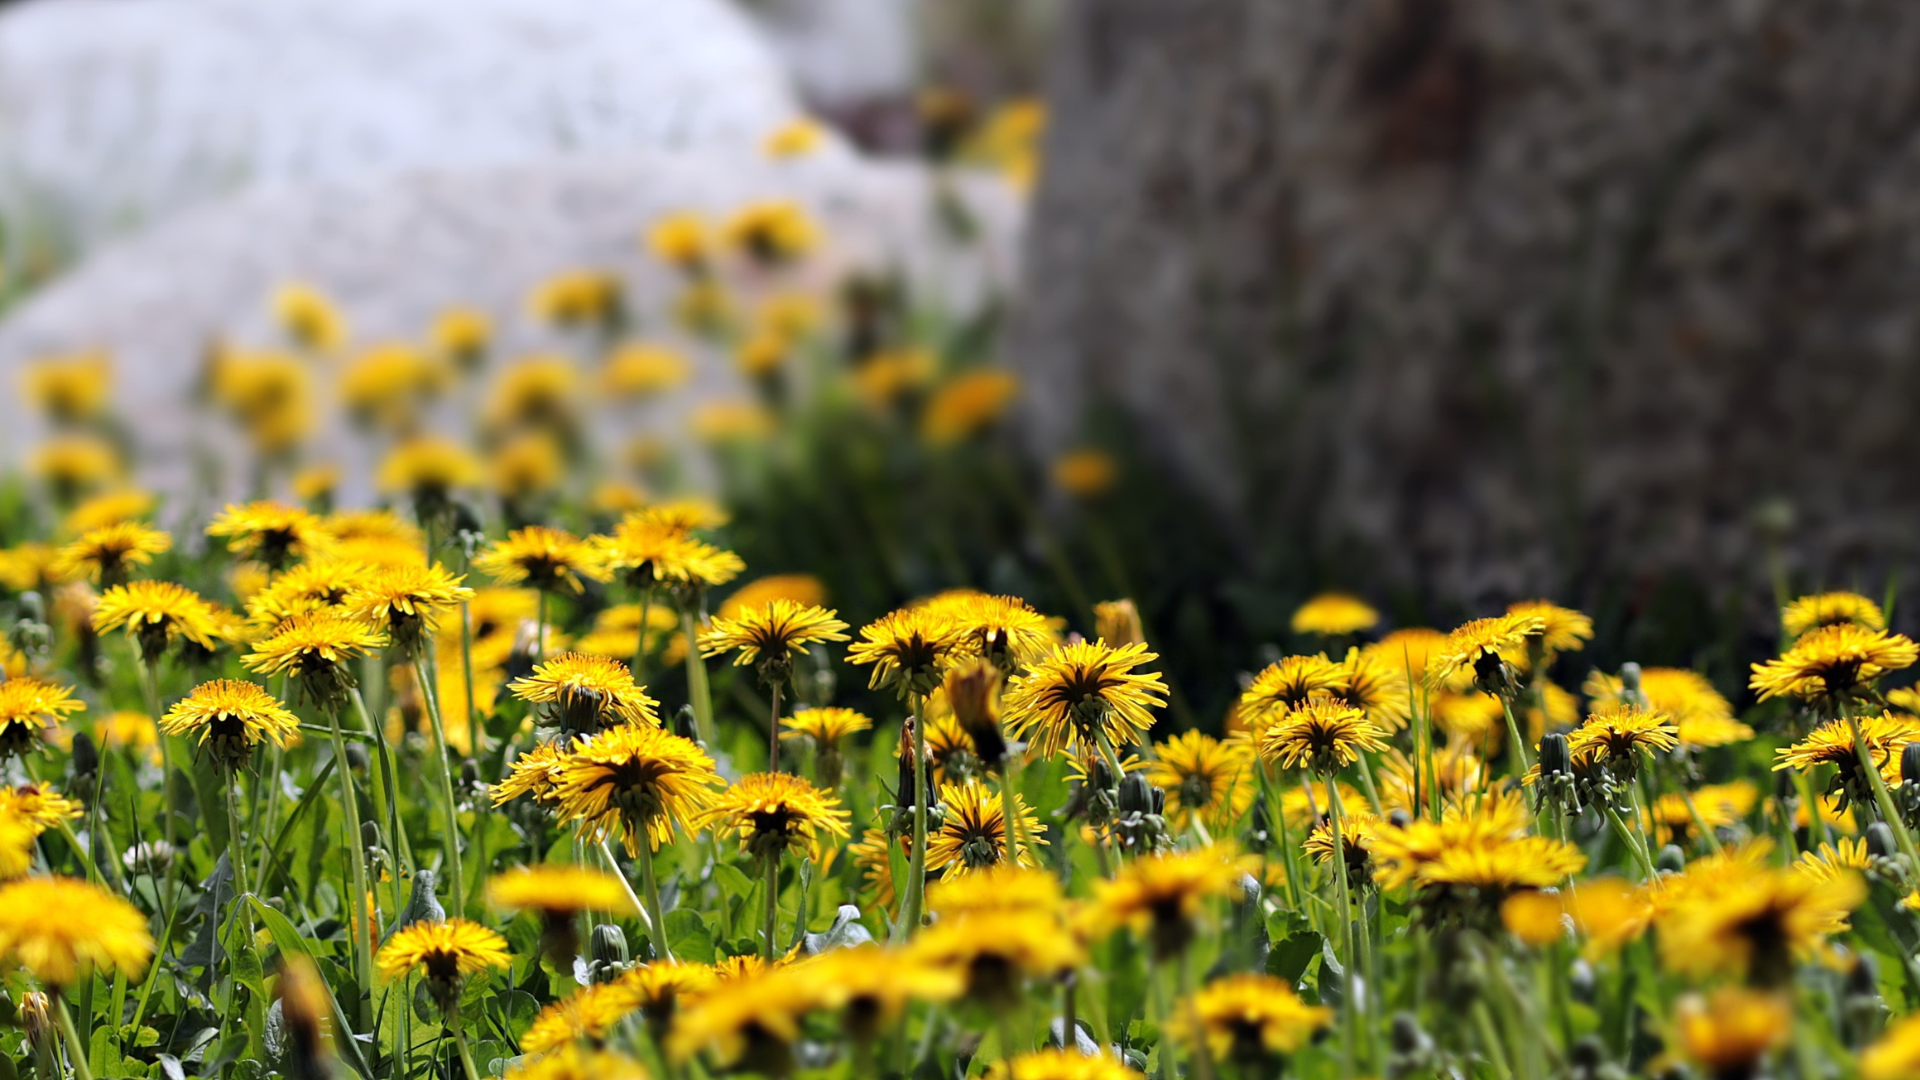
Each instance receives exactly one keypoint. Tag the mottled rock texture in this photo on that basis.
(1497, 296)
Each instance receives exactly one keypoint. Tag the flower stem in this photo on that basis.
(466, 1054)
(1881, 797)
(773, 728)
(700, 695)
(357, 861)
(1522, 761)
(773, 904)
(1349, 1011)
(432, 699)
(75, 1049)
(476, 737)
(917, 860)
(540, 627)
(655, 911)
(1629, 837)
(640, 648)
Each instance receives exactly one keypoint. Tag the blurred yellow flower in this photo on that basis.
(1085, 473)
(69, 389)
(968, 404)
(386, 385)
(461, 336)
(638, 370)
(309, 318)
(577, 298)
(884, 377)
(1334, 614)
(535, 391)
(772, 232)
(795, 138)
(110, 508)
(732, 422)
(528, 465)
(682, 240)
(429, 469)
(75, 464)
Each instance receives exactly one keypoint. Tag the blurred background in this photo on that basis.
(1212, 305)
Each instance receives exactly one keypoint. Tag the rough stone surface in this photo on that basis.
(396, 251)
(114, 113)
(1494, 297)
(845, 52)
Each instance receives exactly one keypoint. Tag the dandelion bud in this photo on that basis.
(607, 949)
(1910, 764)
(1880, 840)
(357, 758)
(86, 758)
(1117, 622)
(973, 692)
(1630, 691)
(1555, 758)
(1137, 795)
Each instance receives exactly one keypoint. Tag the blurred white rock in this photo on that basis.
(395, 251)
(845, 52)
(116, 113)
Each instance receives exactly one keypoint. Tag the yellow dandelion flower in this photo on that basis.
(1335, 614)
(462, 336)
(29, 709)
(1117, 622)
(1162, 895)
(1759, 925)
(321, 585)
(771, 232)
(408, 602)
(1896, 1054)
(616, 633)
(1290, 681)
(826, 727)
(636, 371)
(1004, 630)
(770, 636)
(1321, 735)
(1810, 613)
(1086, 473)
(683, 240)
(576, 298)
(795, 138)
(1731, 1032)
(1248, 1018)
(973, 832)
(772, 812)
(387, 385)
(1480, 652)
(73, 465)
(750, 1022)
(69, 389)
(446, 954)
(570, 1062)
(29, 566)
(885, 378)
(643, 552)
(803, 589)
(231, 718)
(270, 532)
(1084, 694)
(109, 508)
(41, 808)
(537, 774)
(871, 857)
(549, 560)
(581, 694)
(642, 777)
(1561, 629)
(909, 649)
(109, 553)
(309, 317)
(526, 466)
(59, 929)
(1535, 918)
(722, 422)
(967, 405)
(1056, 1064)
(1717, 806)
(429, 469)
(662, 986)
(1832, 662)
(558, 888)
(870, 987)
(155, 612)
(996, 951)
(1202, 775)
(315, 651)
(1617, 737)
(586, 1015)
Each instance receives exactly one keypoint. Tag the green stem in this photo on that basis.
(773, 904)
(432, 699)
(1490, 1039)
(235, 848)
(916, 886)
(640, 648)
(1277, 818)
(386, 795)
(1343, 898)
(1881, 797)
(698, 691)
(540, 627)
(75, 1048)
(773, 728)
(656, 914)
(1202, 1055)
(1016, 833)
(466, 1054)
(476, 736)
(1522, 761)
(357, 861)
(1629, 837)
